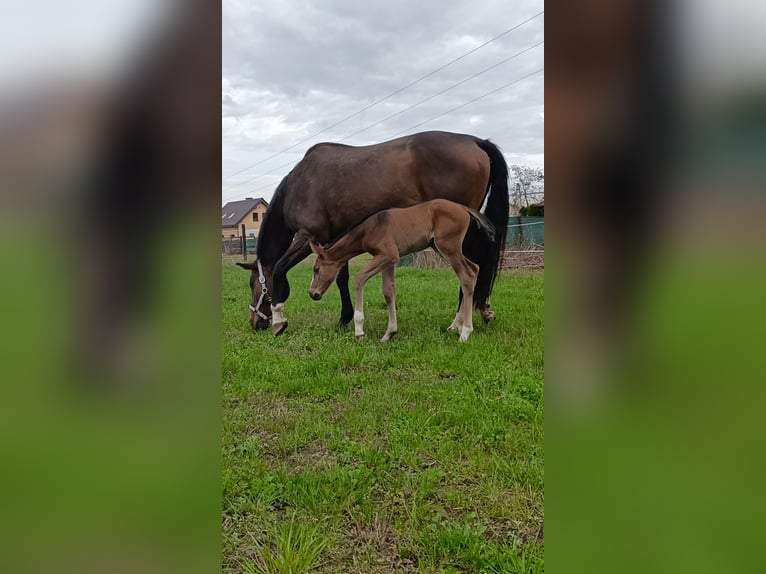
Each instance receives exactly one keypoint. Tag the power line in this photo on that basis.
(377, 122)
(431, 97)
(516, 81)
(364, 109)
(257, 177)
(504, 86)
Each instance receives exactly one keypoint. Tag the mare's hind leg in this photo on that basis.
(389, 294)
(298, 251)
(475, 249)
(346, 307)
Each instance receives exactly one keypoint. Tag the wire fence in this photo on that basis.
(234, 246)
(524, 247)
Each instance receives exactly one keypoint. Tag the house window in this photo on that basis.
(255, 216)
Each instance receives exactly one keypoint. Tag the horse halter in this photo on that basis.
(264, 294)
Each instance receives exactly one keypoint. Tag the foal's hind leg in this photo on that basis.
(467, 275)
(467, 271)
(457, 322)
(389, 294)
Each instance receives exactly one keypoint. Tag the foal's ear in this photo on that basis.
(249, 266)
(318, 249)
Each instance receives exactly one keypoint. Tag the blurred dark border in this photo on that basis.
(109, 194)
(655, 274)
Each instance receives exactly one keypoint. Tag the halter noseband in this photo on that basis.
(264, 294)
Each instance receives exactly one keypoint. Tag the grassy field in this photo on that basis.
(418, 455)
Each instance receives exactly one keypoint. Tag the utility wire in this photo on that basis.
(377, 122)
(375, 103)
(504, 86)
(516, 81)
(431, 97)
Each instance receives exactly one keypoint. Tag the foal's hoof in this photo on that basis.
(360, 337)
(279, 328)
(388, 337)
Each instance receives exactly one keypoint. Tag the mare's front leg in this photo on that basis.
(389, 294)
(372, 268)
(298, 251)
(346, 307)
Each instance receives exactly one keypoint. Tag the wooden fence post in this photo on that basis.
(244, 244)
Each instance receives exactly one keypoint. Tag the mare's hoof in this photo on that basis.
(359, 337)
(279, 328)
(388, 337)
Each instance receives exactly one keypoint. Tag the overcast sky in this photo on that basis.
(294, 67)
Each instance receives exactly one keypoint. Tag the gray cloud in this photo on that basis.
(294, 67)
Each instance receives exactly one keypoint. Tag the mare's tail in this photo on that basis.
(478, 247)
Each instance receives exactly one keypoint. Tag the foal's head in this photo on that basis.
(325, 271)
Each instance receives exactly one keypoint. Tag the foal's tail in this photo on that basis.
(483, 223)
(478, 247)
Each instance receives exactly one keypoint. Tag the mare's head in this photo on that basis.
(325, 272)
(260, 287)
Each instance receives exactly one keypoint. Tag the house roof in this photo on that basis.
(234, 211)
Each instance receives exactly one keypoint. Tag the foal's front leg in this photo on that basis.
(389, 294)
(372, 268)
(457, 322)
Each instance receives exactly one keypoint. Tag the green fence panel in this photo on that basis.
(524, 230)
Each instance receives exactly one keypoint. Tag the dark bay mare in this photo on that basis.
(335, 187)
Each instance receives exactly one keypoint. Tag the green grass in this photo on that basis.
(422, 454)
(296, 549)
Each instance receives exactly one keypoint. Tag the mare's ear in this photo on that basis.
(249, 266)
(318, 249)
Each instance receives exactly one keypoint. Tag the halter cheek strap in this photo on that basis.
(264, 294)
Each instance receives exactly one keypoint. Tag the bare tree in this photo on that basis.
(527, 187)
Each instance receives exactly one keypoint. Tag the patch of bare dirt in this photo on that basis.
(378, 535)
(313, 456)
(507, 531)
(523, 260)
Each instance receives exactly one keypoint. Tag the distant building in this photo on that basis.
(248, 212)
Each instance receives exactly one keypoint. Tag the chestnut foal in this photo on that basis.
(387, 236)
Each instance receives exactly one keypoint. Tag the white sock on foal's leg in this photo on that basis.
(457, 323)
(359, 324)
